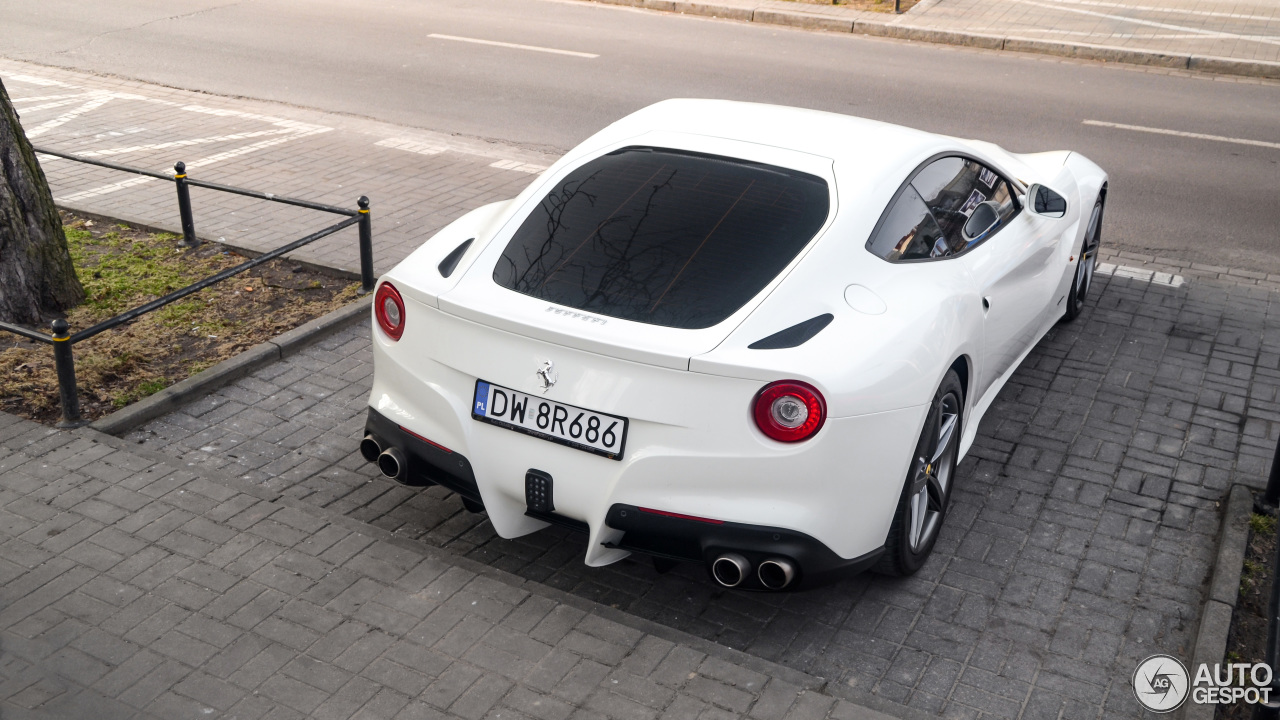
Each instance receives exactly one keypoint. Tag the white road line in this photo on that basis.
(1150, 23)
(413, 146)
(38, 81)
(250, 148)
(1135, 36)
(278, 122)
(285, 130)
(45, 127)
(1179, 11)
(517, 46)
(203, 162)
(518, 166)
(1180, 133)
(103, 190)
(45, 106)
(42, 98)
(184, 143)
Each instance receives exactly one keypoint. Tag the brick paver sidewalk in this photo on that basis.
(130, 589)
(1080, 537)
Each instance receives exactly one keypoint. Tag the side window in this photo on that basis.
(908, 231)
(948, 191)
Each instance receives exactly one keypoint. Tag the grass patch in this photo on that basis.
(1262, 524)
(122, 268)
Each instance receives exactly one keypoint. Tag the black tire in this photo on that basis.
(1082, 282)
(905, 551)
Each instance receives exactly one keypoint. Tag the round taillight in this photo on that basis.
(388, 307)
(789, 411)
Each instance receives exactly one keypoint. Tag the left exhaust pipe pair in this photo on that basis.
(390, 461)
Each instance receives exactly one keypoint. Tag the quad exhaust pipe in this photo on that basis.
(391, 463)
(730, 569)
(776, 573)
(370, 448)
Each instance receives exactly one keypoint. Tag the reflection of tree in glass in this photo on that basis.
(619, 284)
(662, 237)
(621, 272)
(537, 260)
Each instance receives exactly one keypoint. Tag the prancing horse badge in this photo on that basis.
(547, 376)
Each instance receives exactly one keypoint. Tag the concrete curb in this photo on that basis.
(1224, 590)
(858, 25)
(231, 369)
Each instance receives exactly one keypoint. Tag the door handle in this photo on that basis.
(986, 304)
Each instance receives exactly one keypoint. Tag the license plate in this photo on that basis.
(579, 428)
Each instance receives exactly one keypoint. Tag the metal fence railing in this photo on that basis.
(63, 339)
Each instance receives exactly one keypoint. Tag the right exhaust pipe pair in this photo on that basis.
(731, 569)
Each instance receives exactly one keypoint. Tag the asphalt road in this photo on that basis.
(1212, 201)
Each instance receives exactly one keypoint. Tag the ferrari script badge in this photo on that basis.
(547, 375)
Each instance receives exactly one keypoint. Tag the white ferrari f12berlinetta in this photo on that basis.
(749, 336)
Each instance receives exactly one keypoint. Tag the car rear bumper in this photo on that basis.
(631, 528)
(691, 446)
(682, 538)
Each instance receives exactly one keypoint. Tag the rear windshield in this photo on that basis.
(663, 237)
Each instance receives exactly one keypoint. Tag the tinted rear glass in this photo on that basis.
(663, 237)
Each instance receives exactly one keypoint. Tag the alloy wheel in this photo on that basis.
(932, 479)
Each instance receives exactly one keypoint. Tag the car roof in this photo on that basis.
(868, 147)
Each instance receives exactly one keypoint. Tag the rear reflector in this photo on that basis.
(425, 440)
(678, 516)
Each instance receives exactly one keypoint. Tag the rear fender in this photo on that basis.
(419, 275)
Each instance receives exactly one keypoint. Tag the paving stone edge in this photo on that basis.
(859, 26)
(231, 369)
(1224, 590)
(872, 707)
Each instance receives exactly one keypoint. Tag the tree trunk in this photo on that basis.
(37, 279)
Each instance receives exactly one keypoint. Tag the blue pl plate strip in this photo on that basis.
(482, 398)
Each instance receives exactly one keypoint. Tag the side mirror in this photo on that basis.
(1043, 201)
(984, 217)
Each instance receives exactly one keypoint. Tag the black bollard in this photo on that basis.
(66, 367)
(189, 238)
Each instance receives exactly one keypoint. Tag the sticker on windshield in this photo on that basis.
(987, 177)
(975, 199)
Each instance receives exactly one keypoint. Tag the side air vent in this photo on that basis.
(450, 261)
(795, 335)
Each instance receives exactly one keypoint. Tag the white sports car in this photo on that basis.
(750, 336)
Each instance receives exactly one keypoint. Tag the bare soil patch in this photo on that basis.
(122, 267)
